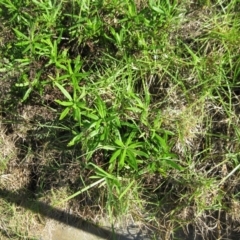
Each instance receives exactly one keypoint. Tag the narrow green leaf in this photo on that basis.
(83, 93)
(101, 107)
(23, 43)
(64, 91)
(140, 153)
(111, 167)
(115, 155)
(26, 95)
(64, 113)
(132, 161)
(107, 147)
(134, 109)
(64, 103)
(156, 9)
(70, 68)
(81, 104)
(173, 164)
(91, 115)
(54, 50)
(119, 143)
(58, 64)
(136, 145)
(122, 159)
(93, 133)
(77, 114)
(100, 172)
(75, 140)
(20, 34)
(93, 125)
(162, 143)
(131, 136)
(81, 191)
(126, 190)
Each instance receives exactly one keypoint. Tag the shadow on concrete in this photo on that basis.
(61, 216)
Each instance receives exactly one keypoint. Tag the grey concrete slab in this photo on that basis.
(59, 231)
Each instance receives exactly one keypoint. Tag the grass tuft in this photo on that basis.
(123, 110)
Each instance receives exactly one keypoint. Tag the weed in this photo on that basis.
(147, 94)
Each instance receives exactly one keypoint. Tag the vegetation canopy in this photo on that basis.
(122, 109)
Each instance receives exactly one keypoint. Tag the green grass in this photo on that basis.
(146, 95)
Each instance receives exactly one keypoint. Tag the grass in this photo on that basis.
(139, 100)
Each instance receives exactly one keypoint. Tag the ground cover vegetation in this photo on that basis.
(122, 108)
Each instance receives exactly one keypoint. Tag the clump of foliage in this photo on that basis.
(147, 91)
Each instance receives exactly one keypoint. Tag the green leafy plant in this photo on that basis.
(148, 92)
(128, 153)
(163, 159)
(101, 130)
